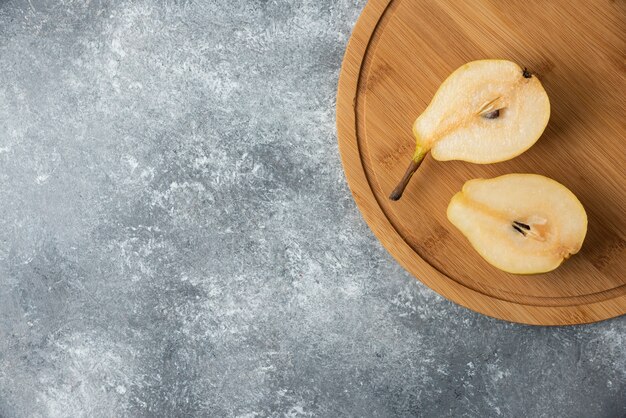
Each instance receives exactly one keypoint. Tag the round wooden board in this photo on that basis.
(398, 55)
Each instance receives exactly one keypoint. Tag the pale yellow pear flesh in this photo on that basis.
(454, 126)
(520, 223)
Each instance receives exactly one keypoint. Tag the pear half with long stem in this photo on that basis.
(485, 112)
(520, 223)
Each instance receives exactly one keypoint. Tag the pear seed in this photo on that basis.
(522, 225)
(520, 230)
(494, 114)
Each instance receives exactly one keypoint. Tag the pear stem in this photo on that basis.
(411, 169)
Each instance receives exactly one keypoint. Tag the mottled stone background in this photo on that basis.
(177, 237)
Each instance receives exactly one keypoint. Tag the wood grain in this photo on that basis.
(398, 55)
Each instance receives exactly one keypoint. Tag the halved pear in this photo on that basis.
(484, 112)
(520, 223)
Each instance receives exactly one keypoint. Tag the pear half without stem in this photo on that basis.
(520, 223)
(485, 112)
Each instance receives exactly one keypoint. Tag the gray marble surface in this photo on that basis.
(177, 238)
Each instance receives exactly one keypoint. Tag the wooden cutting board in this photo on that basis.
(398, 55)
